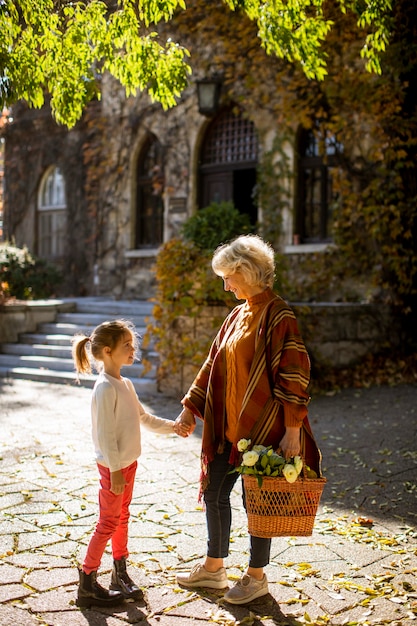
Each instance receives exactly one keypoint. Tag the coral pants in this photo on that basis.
(113, 519)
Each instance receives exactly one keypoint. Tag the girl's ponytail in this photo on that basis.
(80, 354)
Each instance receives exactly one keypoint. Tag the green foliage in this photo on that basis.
(186, 284)
(64, 48)
(295, 29)
(215, 224)
(25, 277)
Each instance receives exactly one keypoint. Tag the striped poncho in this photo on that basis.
(276, 394)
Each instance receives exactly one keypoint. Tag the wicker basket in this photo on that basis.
(282, 509)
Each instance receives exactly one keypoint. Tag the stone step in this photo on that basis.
(46, 353)
(57, 351)
(114, 308)
(144, 386)
(55, 364)
(91, 320)
(70, 329)
(50, 339)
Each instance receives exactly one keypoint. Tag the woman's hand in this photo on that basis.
(185, 423)
(290, 443)
(118, 482)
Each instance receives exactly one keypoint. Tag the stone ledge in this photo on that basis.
(24, 317)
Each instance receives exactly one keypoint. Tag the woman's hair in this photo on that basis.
(106, 335)
(250, 255)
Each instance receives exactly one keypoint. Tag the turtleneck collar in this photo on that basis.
(261, 298)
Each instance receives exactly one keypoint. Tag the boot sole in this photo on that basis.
(87, 603)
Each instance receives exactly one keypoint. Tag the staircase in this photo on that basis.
(46, 355)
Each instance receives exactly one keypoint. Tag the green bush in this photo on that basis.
(24, 276)
(215, 224)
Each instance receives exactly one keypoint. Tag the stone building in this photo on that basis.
(101, 198)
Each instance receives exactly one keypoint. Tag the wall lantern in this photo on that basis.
(208, 93)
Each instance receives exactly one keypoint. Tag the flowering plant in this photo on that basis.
(263, 461)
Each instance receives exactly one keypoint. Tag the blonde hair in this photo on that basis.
(106, 335)
(250, 255)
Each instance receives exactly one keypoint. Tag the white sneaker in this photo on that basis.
(200, 577)
(247, 589)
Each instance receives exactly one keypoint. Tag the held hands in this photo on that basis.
(290, 443)
(118, 482)
(185, 423)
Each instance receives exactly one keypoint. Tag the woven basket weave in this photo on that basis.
(282, 509)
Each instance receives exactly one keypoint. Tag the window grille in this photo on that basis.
(232, 139)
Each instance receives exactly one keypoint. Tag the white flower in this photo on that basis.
(298, 464)
(243, 444)
(249, 458)
(259, 447)
(290, 473)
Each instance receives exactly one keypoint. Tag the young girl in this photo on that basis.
(117, 415)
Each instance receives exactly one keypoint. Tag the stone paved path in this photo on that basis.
(359, 566)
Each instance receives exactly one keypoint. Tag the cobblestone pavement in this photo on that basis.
(358, 567)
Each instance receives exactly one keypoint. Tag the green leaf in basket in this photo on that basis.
(275, 460)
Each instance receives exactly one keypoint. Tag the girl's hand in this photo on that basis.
(181, 429)
(290, 443)
(185, 423)
(118, 482)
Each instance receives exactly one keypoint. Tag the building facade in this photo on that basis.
(100, 199)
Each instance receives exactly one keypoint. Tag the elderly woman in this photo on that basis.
(253, 385)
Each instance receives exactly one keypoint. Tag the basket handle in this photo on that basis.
(303, 470)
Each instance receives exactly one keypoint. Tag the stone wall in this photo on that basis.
(340, 334)
(336, 335)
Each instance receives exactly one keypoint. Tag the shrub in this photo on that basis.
(187, 285)
(214, 225)
(25, 277)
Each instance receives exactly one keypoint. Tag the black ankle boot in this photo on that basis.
(121, 581)
(91, 593)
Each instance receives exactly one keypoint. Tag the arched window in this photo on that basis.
(149, 200)
(228, 163)
(319, 154)
(52, 215)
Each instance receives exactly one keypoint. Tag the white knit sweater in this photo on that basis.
(117, 415)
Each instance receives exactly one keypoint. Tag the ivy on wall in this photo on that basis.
(373, 117)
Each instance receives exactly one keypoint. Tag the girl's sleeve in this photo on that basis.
(150, 421)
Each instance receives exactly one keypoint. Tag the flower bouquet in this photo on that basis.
(281, 496)
(263, 461)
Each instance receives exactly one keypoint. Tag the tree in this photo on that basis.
(63, 48)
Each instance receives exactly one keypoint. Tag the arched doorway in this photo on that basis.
(229, 158)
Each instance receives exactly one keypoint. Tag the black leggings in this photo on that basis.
(219, 513)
